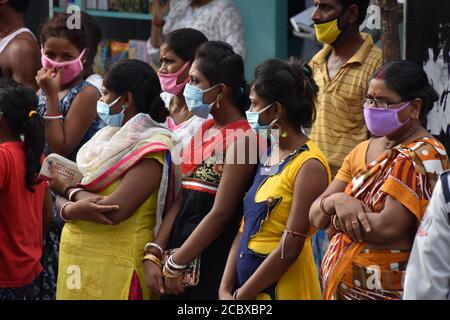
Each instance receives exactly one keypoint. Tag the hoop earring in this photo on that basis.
(276, 126)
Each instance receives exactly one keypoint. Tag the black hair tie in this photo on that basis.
(307, 70)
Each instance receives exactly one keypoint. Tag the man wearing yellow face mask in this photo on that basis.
(341, 70)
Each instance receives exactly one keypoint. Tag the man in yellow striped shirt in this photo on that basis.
(341, 70)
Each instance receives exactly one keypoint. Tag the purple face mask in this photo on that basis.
(381, 122)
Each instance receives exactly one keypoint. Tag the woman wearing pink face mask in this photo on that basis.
(66, 101)
(379, 196)
(69, 106)
(177, 54)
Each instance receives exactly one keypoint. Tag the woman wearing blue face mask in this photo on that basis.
(216, 171)
(272, 257)
(379, 196)
(107, 225)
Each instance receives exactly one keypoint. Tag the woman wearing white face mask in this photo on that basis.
(379, 196)
(107, 226)
(271, 257)
(177, 54)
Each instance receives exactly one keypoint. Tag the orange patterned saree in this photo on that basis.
(407, 173)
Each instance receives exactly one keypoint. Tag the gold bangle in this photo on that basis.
(169, 274)
(152, 258)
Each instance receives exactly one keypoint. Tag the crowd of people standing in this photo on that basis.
(310, 183)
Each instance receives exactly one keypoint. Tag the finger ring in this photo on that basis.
(353, 222)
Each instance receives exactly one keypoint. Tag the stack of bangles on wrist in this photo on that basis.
(173, 270)
(151, 257)
(52, 116)
(148, 249)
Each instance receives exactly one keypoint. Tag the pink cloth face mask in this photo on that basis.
(169, 81)
(70, 69)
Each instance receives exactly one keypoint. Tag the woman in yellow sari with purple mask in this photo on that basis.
(378, 198)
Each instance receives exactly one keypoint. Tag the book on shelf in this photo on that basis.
(133, 6)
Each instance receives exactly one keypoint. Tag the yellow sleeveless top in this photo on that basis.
(97, 262)
(301, 281)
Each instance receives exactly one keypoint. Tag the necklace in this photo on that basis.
(268, 167)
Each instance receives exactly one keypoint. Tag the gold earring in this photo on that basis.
(276, 126)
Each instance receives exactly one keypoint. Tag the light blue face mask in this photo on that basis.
(253, 119)
(112, 120)
(194, 101)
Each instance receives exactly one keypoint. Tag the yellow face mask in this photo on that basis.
(328, 32)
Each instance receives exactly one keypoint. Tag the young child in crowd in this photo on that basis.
(26, 205)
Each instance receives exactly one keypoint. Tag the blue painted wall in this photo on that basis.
(266, 30)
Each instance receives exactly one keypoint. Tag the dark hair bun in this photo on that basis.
(410, 82)
(307, 70)
(291, 84)
(218, 62)
(184, 42)
(141, 80)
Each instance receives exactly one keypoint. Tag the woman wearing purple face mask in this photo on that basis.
(176, 55)
(69, 106)
(380, 194)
